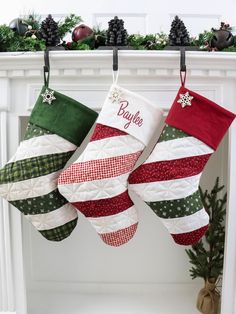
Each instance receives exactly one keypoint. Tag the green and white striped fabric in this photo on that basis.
(168, 181)
(29, 179)
(29, 182)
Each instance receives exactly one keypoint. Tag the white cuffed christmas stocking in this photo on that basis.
(96, 183)
(57, 126)
(168, 180)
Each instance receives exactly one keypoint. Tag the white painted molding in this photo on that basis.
(5, 93)
(131, 63)
(7, 299)
(93, 95)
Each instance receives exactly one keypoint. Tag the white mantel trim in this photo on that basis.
(138, 63)
(6, 269)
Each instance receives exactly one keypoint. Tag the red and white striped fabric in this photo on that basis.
(96, 183)
(168, 180)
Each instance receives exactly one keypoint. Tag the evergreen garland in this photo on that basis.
(32, 41)
(33, 19)
(6, 37)
(66, 26)
(207, 255)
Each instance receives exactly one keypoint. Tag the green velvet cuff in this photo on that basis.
(65, 117)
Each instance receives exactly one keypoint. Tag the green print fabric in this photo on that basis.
(29, 179)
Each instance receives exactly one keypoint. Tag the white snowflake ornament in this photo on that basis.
(48, 96)
(115, 95)
(185, 99)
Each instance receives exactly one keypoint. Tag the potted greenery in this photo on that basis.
(207, 255)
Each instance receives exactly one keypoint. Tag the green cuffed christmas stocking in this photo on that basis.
(57, 126)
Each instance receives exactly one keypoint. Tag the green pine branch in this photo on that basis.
(67, 25)
(33, 19)
(207, 256)
(6, 37)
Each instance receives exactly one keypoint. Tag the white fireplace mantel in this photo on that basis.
(131, 63)
(87, 75)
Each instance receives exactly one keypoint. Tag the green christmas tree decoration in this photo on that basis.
(49, 31)
(179, 35)
(116, 34)
(207, 255)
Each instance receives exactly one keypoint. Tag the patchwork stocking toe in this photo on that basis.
(96, 183)
(168, 180)
(57, 126)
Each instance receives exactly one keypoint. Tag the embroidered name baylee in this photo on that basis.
(127, 115)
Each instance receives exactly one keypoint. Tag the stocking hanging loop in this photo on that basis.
(115, 75)
(183, 77)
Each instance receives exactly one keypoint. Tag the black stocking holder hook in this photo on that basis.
(182, 65)
(182, 49)
(46, 68)
(46, 61)
(115, 58)
(182, 59)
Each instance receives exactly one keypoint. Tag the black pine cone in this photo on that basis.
(116, 34)
(179, 35)
(49, 31)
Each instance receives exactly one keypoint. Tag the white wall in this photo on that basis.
(82, 264)
(140, 16)
(151, 257)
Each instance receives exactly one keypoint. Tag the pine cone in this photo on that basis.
(178, 33)
(116, 34)
(49, 31)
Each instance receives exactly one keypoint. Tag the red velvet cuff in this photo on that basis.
(204, 119)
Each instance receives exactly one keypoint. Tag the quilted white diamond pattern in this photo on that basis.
(53, 219)
(94, 190)
(116, 222)
(166, 190)
(42, 145)
(110, 147)
(179, 148)
(187, 223)
(29, 188)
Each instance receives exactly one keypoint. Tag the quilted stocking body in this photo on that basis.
(96, 183)
(168, 180)
(28, 181)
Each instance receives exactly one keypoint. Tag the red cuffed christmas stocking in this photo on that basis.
(96, 183)
(168, 180)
